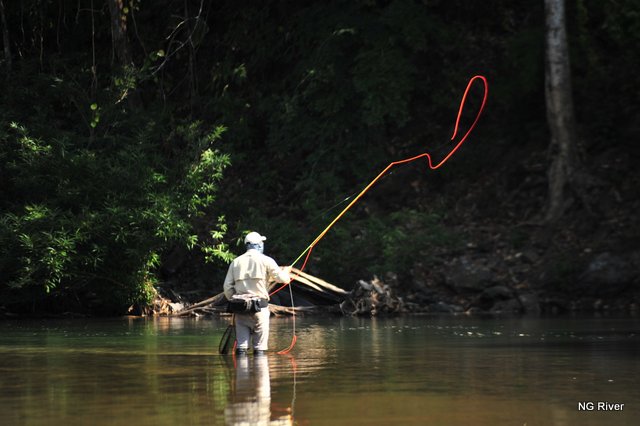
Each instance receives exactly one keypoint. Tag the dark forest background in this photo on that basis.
(140, 139)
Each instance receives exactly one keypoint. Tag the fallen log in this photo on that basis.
(316, 282)
(215, 300)
(309, 284)
(366, 298)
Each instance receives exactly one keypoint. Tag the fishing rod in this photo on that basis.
(426, 155)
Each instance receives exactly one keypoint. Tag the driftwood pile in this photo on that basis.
(313, 295)
(371, 298)
(161, 305)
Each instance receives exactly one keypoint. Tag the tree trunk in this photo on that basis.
(121, 45)
(119, 32)
(565, 165)
(5, 38)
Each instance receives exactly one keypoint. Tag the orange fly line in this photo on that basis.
(310, 247)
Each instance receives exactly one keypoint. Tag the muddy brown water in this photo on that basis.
(416, 370)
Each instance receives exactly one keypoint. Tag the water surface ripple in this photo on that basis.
(343, 371)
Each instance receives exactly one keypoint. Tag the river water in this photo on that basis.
(415, 370)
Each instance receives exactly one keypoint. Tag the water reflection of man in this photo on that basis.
(250, 397)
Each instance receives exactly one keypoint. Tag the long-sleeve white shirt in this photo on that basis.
(250, 274)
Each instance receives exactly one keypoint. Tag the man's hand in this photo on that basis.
(287, 271)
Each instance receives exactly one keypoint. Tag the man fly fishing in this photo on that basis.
(246, 287)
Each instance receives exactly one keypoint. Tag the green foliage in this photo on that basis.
(104, 166)
(382, 243)
(406, 236)
(218, 249)
(92, 222)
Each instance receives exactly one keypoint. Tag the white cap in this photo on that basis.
(254, 238)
